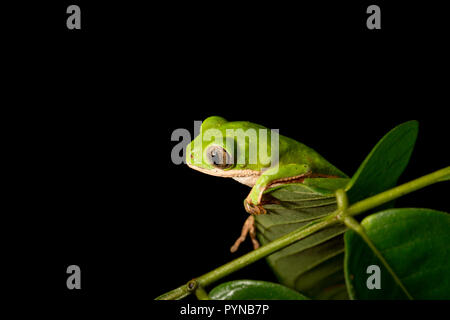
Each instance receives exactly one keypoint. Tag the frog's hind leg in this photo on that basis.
(247, 228)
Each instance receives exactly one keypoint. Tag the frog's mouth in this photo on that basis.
(245, 176)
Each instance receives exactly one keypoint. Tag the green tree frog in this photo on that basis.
(253, 155)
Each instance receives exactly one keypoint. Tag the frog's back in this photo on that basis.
(292, 151)
(244, 125)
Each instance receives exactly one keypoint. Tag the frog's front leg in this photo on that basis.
(253, 202)
(284, 174)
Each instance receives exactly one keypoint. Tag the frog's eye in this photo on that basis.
(219, 157)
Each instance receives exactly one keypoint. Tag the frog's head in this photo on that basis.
(214, 151)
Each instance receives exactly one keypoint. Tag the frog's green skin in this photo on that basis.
(295, 163)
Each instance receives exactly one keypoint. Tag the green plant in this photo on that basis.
(304, 246)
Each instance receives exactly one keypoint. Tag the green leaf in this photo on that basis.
(414, 242)
(384, 164)
(316, 262)
(253, 290)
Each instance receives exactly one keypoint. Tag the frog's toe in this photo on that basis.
(247, 228)
(254, 209)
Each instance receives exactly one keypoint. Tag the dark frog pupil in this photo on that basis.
(219, 157)
(215, 157)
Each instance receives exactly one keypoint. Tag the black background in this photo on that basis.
(94, 110)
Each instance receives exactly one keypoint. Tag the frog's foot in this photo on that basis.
(253, 209)
(247, 228)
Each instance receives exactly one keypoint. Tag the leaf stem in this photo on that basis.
(351, 223)
(396, 192)
(201, 294)
(355, 226)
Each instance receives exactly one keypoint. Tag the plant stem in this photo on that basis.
(284, 241)
(351, 223)
(201, 294)
(251, 257)
(396, 192)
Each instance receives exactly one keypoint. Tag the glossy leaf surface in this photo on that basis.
(254, 290)
(414, 242)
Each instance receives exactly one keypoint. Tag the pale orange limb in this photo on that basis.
(247, 228)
